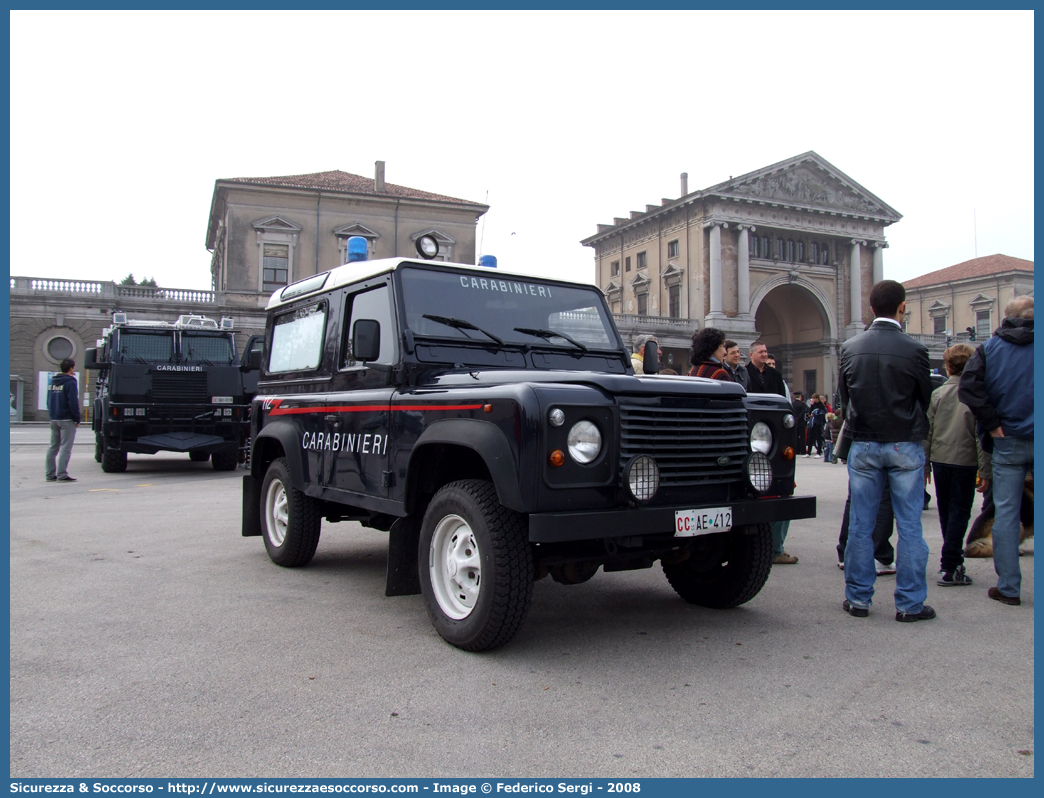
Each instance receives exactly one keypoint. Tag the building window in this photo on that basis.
(982, 324)
(614, 268)
(940, 325)
(674, 301)
(275, 265)
(799, 251)
(643, 304)
(627, 263)
(673, 248)
(60, 347)
(763, 247)
(824, 255)
(641, 260)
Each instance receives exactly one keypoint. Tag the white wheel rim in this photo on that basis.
(454, 567)
(276, 512)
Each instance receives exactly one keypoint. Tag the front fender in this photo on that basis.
(284, 437)
(486, 440)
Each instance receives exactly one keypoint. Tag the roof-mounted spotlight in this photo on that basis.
(227, 323)
(119, 318)
(427, 247)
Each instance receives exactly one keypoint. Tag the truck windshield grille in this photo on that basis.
(180, 386)
(687, 443)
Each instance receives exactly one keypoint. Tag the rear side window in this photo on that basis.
(297, 339)
(373, 304)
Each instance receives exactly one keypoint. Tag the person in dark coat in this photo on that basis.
(800, 411)
(816, 424)
(707, 355)
(732, 363)
(63, 406)
(761, 377)
(997, 385)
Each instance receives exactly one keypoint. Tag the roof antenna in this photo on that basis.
(482, 235)
(975, 231)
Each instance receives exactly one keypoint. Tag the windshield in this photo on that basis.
(494, 307)
(144, 347)
(213, 349)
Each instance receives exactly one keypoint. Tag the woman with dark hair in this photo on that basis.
(707, 355)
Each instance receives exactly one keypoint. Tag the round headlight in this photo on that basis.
(788, 421)
(556, 417)
(761, 438)
(643, 478)
(759, 472)
(584, 442)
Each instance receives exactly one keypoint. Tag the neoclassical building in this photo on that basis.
(786, 254)
(265, 232)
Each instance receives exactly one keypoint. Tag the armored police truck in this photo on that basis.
(493, 425)
(169, 387)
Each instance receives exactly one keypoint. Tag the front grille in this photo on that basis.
(686, 442)
(180, 386)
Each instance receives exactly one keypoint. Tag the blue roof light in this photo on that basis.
(357, 249)
(489, 261)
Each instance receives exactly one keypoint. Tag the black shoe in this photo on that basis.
(855, 612)
(996, 595)
(926, 614)
(51, 479)
(67, 479)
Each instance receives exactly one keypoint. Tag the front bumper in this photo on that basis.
(642, 521)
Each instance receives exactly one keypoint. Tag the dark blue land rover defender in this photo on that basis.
(492, 423)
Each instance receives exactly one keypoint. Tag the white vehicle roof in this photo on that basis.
(360, 270)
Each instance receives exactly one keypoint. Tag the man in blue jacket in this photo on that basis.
(997, 385)
(63, 406)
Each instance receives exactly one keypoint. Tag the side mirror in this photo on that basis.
(652, 357)
(366, 340)
(251, 360)
(90, 360)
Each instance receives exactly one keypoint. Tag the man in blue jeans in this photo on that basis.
(885, 390)
(997, 385)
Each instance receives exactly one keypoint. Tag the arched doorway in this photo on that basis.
(792, 318)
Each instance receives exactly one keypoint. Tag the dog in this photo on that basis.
(980, 536)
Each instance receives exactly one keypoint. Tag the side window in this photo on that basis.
(372, 304)
(297, 339)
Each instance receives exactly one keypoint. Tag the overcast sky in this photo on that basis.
(122, 121)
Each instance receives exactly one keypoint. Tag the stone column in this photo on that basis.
(855, 325)
(879, 248)
(716, 303)
(743, 270)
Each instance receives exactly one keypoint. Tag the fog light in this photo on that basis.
(643, 477)
(759, 472)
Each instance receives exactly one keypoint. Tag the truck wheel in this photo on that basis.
(113, 462)
(99, 447)
(225, 461)
(476, 566)
(199, 457)
(290, 521)
(729, 570)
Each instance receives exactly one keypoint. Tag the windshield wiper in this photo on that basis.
(137, 357)
(192, 354)
(461, 324)
(548, 334)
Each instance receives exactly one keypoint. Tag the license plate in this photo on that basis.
(221, 400)
(689, 523)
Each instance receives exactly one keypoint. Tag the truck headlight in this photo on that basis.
(761, 438)
(584, 442)
(759, 472)
(643, 477)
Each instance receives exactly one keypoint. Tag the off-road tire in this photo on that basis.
(290, 520)
(735, 572)
(99, 447)
(225, 461)
(199, 457)
(494, 613)
(113, 462)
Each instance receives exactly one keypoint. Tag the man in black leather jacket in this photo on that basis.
(885, 391)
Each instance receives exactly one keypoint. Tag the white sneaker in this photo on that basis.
(883, 569)
(841, 566)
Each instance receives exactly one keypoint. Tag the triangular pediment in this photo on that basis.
(937, 307)
(276, 224)
(438, 235)
(982, 299)
(612, 288)
(639, 280)
(355, 229)
(807, 182)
